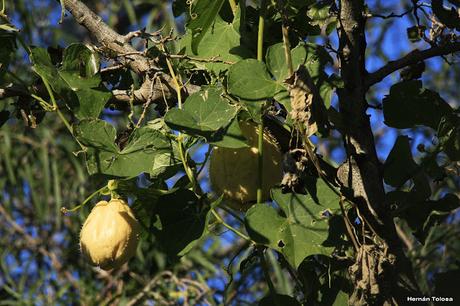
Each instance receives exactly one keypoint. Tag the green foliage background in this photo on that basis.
(63, 135)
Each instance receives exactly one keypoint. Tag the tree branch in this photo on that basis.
(412, 58)
(110, 39)
(131, 57)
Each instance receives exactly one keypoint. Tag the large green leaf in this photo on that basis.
(249, 79)
(449, 136)
(183, 221)
(76, 81)
(399, 165)
(7, 41)
(231, 137)
(139, 155)
(222, 42)
(276, 60)
(314, 57)
(408, 105)
(203, 14)
(303, 227)
(203, 113)
(327, 280)
(97, 134)
(417, 212)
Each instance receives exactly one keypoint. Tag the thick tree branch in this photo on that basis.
(127, 54)
(110, 39)
(412, 58)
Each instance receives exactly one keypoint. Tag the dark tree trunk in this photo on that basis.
(366, 177)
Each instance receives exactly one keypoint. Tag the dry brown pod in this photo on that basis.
(110, 234)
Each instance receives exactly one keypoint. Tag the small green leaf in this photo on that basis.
(203, 113)
(78, 57)
(314, 57)
(76, 82)
(449, 136)
(96, 133)
(320, 15)
(139, 155)
(166, 164)
(249, 79)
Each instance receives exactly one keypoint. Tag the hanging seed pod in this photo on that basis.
(110, 234)
(233, 172)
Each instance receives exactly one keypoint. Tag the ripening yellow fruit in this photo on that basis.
(233, 172)
(110, 234)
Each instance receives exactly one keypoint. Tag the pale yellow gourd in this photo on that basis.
(110, 234)
(233, 172)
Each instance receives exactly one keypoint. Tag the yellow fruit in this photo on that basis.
(233, 172)
(110, 234)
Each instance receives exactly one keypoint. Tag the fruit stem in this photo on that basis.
(65, 210)
(187, 168)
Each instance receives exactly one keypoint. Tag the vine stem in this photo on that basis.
(221, 221)
(56, 108)
(271, 287)
(285, 32)
(180, 140)
(260, 34)
(65, 210)
(176, 81)
(234, 6)
(260, 140)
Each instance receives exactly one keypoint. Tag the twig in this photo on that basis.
(412, 58)
(38, 244)
(221, 221)
(213, 59)
(285, 33)
(391, 15)
(148, 287)
(146, 105)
